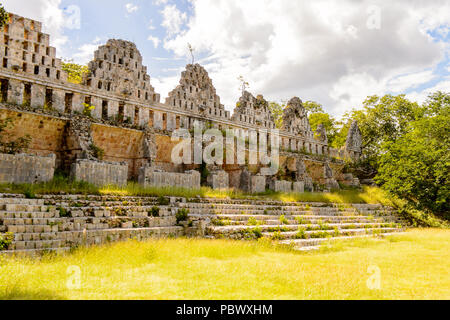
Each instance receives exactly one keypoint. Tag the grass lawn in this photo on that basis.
(412, 266)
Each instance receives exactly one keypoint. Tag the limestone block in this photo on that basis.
(77, 103)
(258, 184)
(113, 109)
(97, 103)
(157, 120)
(24, 168)
(171, 122)
(298, 187)
(37, 96)
(148, 176)
(218, 180)
(15, 92)
(59, 100)
(100, 173)
(281, 186)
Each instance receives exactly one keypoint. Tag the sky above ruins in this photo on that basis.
(333, 53)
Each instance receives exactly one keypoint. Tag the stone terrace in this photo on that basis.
(59, 223)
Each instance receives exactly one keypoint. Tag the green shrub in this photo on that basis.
(163, 201)
(283, 220)
(252, 221)
(6, 240)
(63, 213)
(301, 233)
(154, 212)
(182, 215)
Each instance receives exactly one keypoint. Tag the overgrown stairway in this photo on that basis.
(59, 223)
(304, 225)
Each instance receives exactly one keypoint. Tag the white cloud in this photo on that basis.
(410, 81)
(173, 19)
(421, 96)
(46, 11)
(156, 41)
(160, 2)
(319, 50)
(130, 7)
(86, 52)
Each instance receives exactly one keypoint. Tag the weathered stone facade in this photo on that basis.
(24, 168)
(149, 177)
(353, 145)
(119, 88)
(254, 111)
(197, 94)
(218, 180)
(100, 173)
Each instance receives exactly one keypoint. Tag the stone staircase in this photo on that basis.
(59, 223)
(305, 226)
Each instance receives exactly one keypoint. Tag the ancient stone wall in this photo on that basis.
(150, 177)
(24, 168)
(100, 173)
(254, 111)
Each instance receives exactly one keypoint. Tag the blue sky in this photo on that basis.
(333, 53)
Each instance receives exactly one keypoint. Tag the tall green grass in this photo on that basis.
(413, 266)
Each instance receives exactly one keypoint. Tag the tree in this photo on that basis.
(327, 121)
(277, 111)
(416, 166)
(243, 85)
(4, 16)
(74, 71)
(382, 119)
(313, 107)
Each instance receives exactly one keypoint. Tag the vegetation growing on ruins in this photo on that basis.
(189, 269)
(75, 72)
(3, 16)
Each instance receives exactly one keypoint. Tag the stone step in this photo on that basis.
(326, 233)
(295, 218)
(23, 208)
(68, 239)
(73, 224)
(33, 252)
(286, 228)
(316, 243)
(21, 201)
(28, 215)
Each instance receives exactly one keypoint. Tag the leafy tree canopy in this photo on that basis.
(277, 112)
(4, 17)
(74, 71)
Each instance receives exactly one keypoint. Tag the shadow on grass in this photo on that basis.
(18, 293)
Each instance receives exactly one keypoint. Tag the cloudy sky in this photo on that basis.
(332, 52)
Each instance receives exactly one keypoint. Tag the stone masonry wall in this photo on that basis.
(24, 168)
(100, 173)
(149, 177)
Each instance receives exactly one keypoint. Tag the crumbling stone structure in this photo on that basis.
(254, 111)
(116, 93)
(353, 145)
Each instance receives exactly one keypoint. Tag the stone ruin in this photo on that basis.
(254, 111)
(353, 144)
(130, 121)
(196, 93)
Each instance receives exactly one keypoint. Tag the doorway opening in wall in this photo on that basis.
(68, 103)
(4, 90)
(48, 104)
(27, 94)
(105, 110)
(136, 115)
(121, 111)
(5, 63)
(36, 70)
